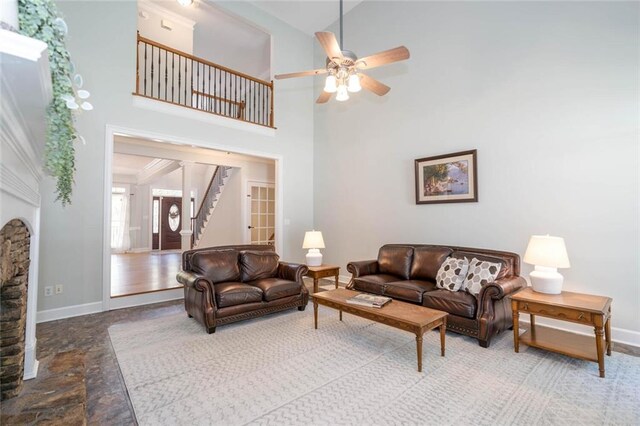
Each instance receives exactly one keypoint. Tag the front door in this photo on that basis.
(171, 223)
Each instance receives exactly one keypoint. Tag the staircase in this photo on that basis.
(209, 202)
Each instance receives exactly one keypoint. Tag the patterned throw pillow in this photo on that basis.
(480, 273)
(451, 274)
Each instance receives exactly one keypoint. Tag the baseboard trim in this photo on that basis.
(30, 362)
(140, 250)
(68, 312)
(618, 335)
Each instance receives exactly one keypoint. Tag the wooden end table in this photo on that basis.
(579, 308)
(415, 319)
(323, 271)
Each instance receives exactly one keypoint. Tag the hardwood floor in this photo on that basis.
(136, 273)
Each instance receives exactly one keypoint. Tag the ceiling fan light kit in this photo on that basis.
(343, 68)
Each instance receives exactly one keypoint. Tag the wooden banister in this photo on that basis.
(202, 61)
(172, 76)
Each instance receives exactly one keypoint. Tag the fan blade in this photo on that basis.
(300, 74)
(324, 97)
(383, 58)
(374, 85)
(329, 44)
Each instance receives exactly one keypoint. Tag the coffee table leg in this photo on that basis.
(607, 335)
(516, 333)
(419, 348)
(315, 314)
(443, 328)
(340, 315)
(336, 281)
(315, 285)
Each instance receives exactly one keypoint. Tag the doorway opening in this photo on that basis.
(161, 192)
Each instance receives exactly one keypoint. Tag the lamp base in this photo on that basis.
(314, 257)
(546, 280)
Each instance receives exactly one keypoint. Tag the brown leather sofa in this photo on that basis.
(231, 283)
(408, 272)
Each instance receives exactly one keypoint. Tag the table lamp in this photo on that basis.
(313, 241)
(547, 253)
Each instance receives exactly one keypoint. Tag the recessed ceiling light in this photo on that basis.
(185, 2)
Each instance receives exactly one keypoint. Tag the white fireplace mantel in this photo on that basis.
(25, 88)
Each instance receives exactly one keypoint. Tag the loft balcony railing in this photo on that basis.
(169, 75)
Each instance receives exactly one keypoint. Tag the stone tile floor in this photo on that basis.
(107, 399)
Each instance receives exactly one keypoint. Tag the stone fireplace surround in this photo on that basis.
(14, 273)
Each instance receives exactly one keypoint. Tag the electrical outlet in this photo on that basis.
(59, 289)
(48, 291)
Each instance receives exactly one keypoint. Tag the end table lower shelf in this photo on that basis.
(562, 342)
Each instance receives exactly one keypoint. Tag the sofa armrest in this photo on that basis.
(292, 271)
(502, 287)
(362, 267)
(195, 281)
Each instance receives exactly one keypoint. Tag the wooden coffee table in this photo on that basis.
(405, 316)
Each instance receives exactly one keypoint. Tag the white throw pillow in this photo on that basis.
(480, 274)
(451, 274)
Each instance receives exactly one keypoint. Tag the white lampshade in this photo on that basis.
(342, 93)
(330, 84)
(354, 83)
(313, 240)
(548, 251)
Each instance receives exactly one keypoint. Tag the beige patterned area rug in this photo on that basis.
(279, 370)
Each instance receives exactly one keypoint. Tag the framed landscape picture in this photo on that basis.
(449, 178)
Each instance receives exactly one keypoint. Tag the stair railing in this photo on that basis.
(169, 75)
(211, 196)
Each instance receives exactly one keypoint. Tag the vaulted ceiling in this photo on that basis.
(308, 16)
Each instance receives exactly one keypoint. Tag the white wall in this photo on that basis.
(219, 37)
(102, 38)
(180, 36)
(547, 92)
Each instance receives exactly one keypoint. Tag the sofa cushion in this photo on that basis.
(506, 268)
(255, 265)
(427, 261)
(480, 273)
(458, 303)
(217, 265)
(395, 260)
(276, 288)
(410, 290)
(235, 293)
(373, 283)
(452, 273)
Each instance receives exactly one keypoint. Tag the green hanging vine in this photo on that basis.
(39, 19)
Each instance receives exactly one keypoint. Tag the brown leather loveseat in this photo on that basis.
(232, 283)
(408, 272)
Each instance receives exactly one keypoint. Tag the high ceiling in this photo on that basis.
(308, 16)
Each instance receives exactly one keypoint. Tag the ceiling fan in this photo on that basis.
(344, 68)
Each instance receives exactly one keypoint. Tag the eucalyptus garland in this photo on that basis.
(39, 19)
